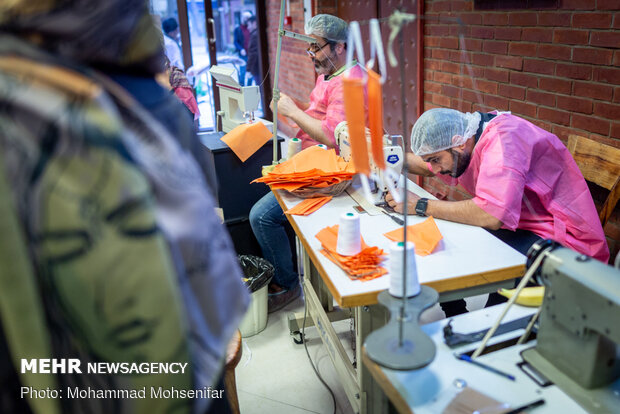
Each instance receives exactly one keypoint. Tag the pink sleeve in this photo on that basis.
(334, 113)
(499, 188)
(187, 97)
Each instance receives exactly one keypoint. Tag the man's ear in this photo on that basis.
(456, 139)
(340, 49)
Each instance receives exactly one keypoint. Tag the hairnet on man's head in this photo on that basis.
(169, 25)
(439, 129)
(328, 27)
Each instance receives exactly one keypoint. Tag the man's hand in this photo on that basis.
(242, 52)
(286, 106)
(412, 200)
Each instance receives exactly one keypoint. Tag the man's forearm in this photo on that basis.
(466, 212)
(312, 127)
(416, 165)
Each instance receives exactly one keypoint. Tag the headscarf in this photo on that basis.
(110, 33)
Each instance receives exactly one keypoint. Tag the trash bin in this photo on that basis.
(257, 274)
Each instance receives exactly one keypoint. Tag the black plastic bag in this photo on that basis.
(257, 271)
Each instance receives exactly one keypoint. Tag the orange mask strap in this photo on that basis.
(375, 118)
(355, 115)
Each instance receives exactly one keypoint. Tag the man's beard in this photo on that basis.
(325, 66)
(461, 162)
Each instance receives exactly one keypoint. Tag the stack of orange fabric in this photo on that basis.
(308, 206)
(425, 236)
(363, 266)
(312, 167)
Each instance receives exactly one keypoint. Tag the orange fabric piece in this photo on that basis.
(246, 139)
(363, 266)
(375, 118)
(355, 115)
(312, 167)
(308, 206)
(425, 236)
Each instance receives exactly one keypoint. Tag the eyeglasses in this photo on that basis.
(314, 48)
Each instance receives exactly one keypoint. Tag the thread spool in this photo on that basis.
(294, 146)
(397, 249)
(322, 146)
(349, 235)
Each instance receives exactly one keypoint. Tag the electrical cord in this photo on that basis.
(303, 338)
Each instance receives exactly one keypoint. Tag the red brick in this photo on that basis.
(473, 71)
(615, 130)
(462, 81)
(495, 19)
(472, 96)
(605, 39)
(538, 66)
(508, 33)
(570, 37)
(554, 52)
(555, 85)
(542, 98)
(594, 56)
(451, 91)
(562, 132)
(450, 67)
(491, 46)
(449, 42)
(554, 116)
(483, 59)
(482, 32)
(573, 104)
(513, 92)
(592, 20)
(608, 5)
(432, 87)
(616, 23)
(428, 75)
(590, 123)
(497, 75)
(482, 107)
(537, 34)
(460, 105)
(485, 86)
(522, 19)
(609, 75)
(442, 77)
(440, 54)
(522, 108)
(573, 71)
(431, 41)
(522, 49)
(509, 62)
(440, 6)
(461, 5)
(605, 110)
(471, 18)
(496, 102)
(542, 124)
(472, 44)
(460, 56)
(554, 19)
(441, 100)
(431, 64)
(578, 4)
(523, 79)
(437, 29)
(617, 95)
(617, 58)
(593, 90)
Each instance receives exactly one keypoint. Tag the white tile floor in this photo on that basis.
(274, 375)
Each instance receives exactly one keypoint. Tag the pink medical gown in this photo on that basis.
(525, 177)
(327, 104)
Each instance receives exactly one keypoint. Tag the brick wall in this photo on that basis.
(558, 67)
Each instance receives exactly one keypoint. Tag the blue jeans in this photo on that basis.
(269, 222)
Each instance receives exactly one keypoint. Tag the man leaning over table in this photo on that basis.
(317, 122)
(525, 184)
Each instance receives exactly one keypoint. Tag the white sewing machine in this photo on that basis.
(393, 154)
(237, 102)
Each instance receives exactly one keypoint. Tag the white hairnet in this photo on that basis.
(328, 27)
(439, 129)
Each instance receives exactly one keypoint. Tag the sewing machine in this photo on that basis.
(237, 102)
(392, 153)
(578, 343)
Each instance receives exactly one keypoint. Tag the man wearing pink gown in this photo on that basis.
(525, 184)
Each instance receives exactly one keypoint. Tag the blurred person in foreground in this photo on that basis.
(317, 122)
(110, 250)
(524, 181)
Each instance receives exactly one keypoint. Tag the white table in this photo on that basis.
(467, 261)
(430, 390)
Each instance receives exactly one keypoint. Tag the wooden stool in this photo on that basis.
(233, 356)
